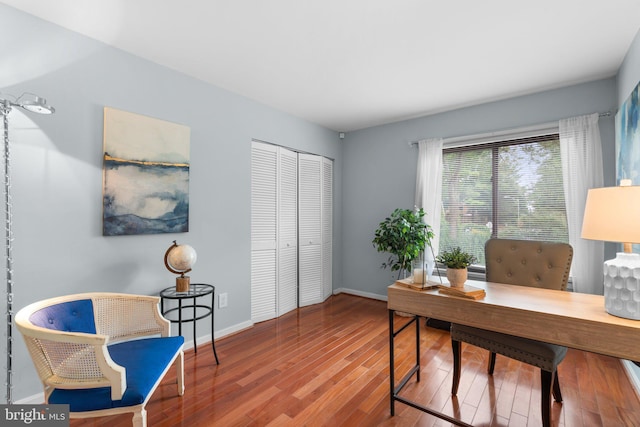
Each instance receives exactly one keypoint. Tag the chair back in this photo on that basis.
(528, 263)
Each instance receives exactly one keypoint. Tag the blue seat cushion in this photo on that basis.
(145, 360)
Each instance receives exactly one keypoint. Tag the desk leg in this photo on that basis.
(417, 320)
(394, 391)
(213, 342)
(392, 368)
(415, 370)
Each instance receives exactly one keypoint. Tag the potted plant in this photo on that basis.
(405, 236)
(456, 261)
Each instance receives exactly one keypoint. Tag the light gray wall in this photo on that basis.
(629, 73)
(380, 165)
(57, 174)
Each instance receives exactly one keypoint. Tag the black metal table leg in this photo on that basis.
(179, 317)
(196, 290)
(195, 345)
(213, 342)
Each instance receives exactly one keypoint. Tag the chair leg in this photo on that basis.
(139, 418)
(546, 379)
(556, 387)
(180, 373)
(456, 347)
(492, 363)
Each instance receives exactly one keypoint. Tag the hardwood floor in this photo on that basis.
(328, 365)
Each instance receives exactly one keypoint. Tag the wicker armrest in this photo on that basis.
(71, 360)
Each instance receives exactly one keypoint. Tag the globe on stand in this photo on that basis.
(179, 259)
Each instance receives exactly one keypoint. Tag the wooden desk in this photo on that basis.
(565, 318)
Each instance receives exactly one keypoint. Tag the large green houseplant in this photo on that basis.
(405, 236)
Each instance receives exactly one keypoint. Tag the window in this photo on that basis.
(506, 189)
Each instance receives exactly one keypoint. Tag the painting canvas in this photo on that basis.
(628, 139)
(145, 175)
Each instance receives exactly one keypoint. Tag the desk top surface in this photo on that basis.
(566, 318)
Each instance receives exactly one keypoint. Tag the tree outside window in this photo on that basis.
(507, 189)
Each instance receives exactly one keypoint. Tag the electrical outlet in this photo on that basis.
(222, 300)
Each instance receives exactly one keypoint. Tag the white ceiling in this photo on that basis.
(351, 64)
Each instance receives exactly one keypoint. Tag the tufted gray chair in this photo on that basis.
(524, 263)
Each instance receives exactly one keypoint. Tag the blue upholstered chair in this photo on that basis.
(101, 353)
(524, 263)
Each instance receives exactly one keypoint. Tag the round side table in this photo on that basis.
(200, 308)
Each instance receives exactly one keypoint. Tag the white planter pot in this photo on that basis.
(457, 276)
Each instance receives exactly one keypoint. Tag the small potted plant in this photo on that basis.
(405, 236)
(456, 261)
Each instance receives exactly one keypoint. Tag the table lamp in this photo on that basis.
(612, 214)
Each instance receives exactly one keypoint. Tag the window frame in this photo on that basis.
(494, 141)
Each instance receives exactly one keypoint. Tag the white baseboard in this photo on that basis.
(39, 397)
(220, 334)
(234, 329)
(36, 399)
(359, 293)
(633, 373)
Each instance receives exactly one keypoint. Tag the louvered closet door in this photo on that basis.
(327, 227)
(263, 231)
(287, 283)
(309, 229)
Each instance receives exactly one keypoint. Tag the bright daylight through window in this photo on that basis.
(507, 189)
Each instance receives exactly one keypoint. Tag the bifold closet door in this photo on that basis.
(287, 283)
(310, 286)
(291, 230)
(327, 227)
(264, 208)
(274, 231)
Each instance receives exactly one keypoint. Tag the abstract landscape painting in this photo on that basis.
(628, 139)
(145, 175)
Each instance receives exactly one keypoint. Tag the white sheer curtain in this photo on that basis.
(429, 185)
(581, 154)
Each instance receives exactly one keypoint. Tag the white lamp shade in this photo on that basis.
(612, 214)
(35, 104)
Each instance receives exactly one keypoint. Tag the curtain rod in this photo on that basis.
(541, 126)
(295, 150)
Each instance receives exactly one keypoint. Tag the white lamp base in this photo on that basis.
(622, 286)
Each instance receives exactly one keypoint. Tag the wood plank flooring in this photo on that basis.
(328, 365)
